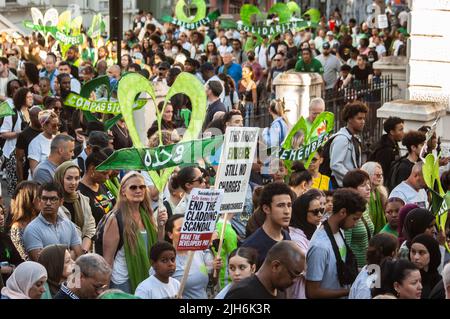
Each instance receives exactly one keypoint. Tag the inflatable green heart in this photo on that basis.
(199, 4)
(132, 84)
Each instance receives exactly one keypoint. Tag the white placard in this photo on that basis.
(382, 21)
(236, 160)
(200, 219)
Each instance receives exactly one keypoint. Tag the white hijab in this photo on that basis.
(22, 279)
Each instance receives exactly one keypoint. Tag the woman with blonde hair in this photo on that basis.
(130, 232)
(24, 208)
(378, 195)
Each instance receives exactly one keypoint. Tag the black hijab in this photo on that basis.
(416, 222)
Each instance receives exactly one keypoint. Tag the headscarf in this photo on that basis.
(416, 222)
(433, 249)
(74, 198)
(52, 258)
(22, 279)
(401, 220)
(431, 277)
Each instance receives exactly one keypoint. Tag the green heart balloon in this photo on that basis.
(132, 84)
(309, 132)
(201, 10)
(86, 92)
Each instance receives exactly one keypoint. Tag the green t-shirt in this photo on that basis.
(387, 229)
(314, 66)
(229, 244)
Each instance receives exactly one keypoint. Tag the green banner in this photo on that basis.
(305, 150)
(6, 110)
(276, 29)
(58, 35)
(106, 107)
(152, 159)
(193, 25)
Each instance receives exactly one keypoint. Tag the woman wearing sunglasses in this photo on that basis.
(187, 179)
(307, 213)
(130, 233)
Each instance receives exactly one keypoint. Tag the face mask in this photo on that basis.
(371, 59)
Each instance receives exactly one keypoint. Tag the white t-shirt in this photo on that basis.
(224, 49)
(39, 148)
(403, 17)
(409, 195)
(260, 53)
(381, 50)
(153, 288)
(10, 144)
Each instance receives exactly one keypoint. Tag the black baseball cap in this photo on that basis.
(326, 45)
(98, 138)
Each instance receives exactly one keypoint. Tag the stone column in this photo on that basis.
(428, 83)
(394, 66)
(297, 89)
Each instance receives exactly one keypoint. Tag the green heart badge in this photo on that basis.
(90, 107)
(182, 5)
(133, 84)
(311, 137)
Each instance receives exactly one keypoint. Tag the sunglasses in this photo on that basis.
(200, 180)
(135, 187)
(317, 211)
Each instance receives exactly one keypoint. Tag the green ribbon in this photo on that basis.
(6, 110)
(105, 107)
(58, 35)
(153, 159)
(305, 151)
(193, 25)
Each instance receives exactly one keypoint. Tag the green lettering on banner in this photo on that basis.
(106, 107)
(161, 157)
(304, 151)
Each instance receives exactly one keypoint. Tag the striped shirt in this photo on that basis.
(358, 238)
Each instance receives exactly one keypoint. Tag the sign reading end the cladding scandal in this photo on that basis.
(200, 218)
(238, 154)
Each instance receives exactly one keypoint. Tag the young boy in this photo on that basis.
(160, 285)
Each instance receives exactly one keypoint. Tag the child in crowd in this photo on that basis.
(160, 285)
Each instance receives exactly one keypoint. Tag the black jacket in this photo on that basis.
(385, 152)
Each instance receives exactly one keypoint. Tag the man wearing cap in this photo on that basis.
(331, 40)
(307, 63)
(163, 68)
(208, 74)
(331, 66)
(96, 138)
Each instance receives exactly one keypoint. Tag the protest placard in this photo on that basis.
(200, 219)
(238, 153)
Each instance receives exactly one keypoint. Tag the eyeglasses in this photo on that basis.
(53, 200)
(292, 275)
(201, 180)
(135, 187)
(378, 175)
(276, 60)
(317, 211)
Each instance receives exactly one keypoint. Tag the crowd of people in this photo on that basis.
(322, 230)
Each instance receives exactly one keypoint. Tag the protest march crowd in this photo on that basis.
(338, 224)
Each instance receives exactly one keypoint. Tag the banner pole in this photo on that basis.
(185, 274)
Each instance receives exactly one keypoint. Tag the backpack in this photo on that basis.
(325, 168)
(392, 181)
(98, 237)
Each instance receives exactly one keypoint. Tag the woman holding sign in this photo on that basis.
(130, 232)
(188, 178)
(198, 276)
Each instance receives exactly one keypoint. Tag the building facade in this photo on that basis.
(16, 11)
